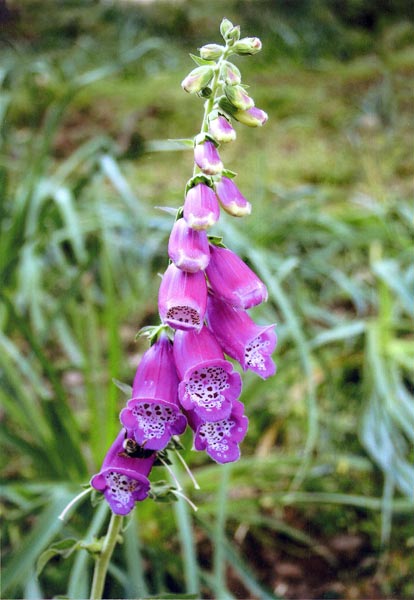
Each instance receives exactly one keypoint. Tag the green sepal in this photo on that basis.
(203, 137)
(64, 548)
(229, 174)
(196, 179)
(161, 491)
(152, 332)
(205, 92)
(124, 387)
(202, 62)
(216, 240)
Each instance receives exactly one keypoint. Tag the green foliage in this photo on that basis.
(90, 108)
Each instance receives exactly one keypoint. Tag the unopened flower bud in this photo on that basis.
(207, 158)
(253, 117)
(248, 45)
(211, 51)
(188, 248)
(197, 79)
(231, 199)
(201, 207)
(221, 129)
(233, 35)
(230, 74)
(225, 27)
(238, 97)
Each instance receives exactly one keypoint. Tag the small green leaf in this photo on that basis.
(63, 548)
(201, 62)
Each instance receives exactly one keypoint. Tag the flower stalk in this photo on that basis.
(103, 560)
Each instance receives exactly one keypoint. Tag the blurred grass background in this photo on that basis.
(321, 503)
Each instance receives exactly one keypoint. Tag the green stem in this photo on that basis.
(102, 562)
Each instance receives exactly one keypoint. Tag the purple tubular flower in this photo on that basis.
(209, 383)
(207, 158)
(201, 207)
(123, 479)
(239, 336)
(182, 298)
(231, 199)
(220, 439)
(153, 413)
(188, 248)
(232, 280)
(221, 129)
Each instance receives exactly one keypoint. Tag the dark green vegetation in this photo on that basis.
(321, 504)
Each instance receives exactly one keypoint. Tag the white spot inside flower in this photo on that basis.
(153, 419)
(121, 487)
(205, 386)
(255, 353)
(216, 435)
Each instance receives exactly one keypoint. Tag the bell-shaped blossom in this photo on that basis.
(123, 479)
(201, 207)
(232, 280)
(182, 298)
(153, 413)
(209, 383)
(220, 439)
(231, 199)
(188, 248)
(207, 158)
(221, 129)
(241, 338)
(229, 73)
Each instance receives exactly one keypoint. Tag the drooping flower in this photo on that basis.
(220, 439)
(182, 298)
(253, 117)
(231, 199)
(188, 248)
(239, 336)
(221, 129)
(198, 79)
(209, 383)
(153, 413)
(201, 207)
(207, 158)
(230, 74)
(232, 280)
(123, 479)
(238, 97)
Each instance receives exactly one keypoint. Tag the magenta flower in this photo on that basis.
(201, 207)
(231, 199)
(182, 298)
(188, 248)
(123, 479)
(153, 412)
(207, 158)
(221, 129)
(239, 336)
(232, 280)
(220, 439)
(209, 383)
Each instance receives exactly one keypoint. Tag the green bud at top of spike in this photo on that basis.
(229, 73)
(198, 79)
(248, 45)
(225, 27)
(211, 51)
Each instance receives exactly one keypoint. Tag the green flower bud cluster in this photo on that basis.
(219, 81)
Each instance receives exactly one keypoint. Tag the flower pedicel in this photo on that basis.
(205, 293)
